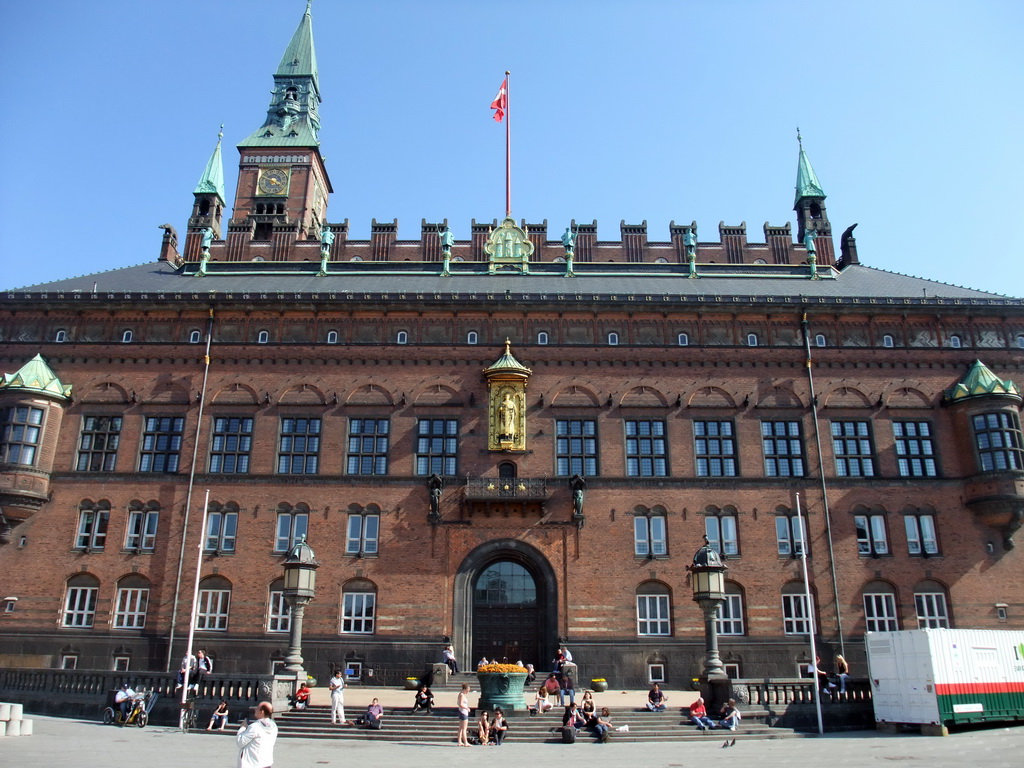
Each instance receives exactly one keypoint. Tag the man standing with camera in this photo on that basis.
(256, 739)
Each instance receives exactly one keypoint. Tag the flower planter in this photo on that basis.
(599, 686)
(501, 689)
(412, 684)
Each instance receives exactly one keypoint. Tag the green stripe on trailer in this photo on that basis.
(980, 707)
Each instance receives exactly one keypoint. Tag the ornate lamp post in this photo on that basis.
(707, 577)
(299, 588)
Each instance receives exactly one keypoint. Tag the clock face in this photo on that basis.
(273, 181)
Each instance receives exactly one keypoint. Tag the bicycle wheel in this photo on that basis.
(108, 716)
(142, 719)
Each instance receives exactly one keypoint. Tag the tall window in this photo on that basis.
(880, 609)
(930, 604)
(730, 613)
(645, 449)
(221, 530)
(915, 453)
(721, 530)
(362, 534)
(854, 452)
(790, 533)
(358, 607)
(796, 615)
(80, 601)
(92, 526)
(783, 446)
(300, 447)
(921, 536)
(998, 439)
(291, 527)
(97, 447)
(214, 604)
(715, 448)
(652, 610)
(132, 601)
(437, 446)
(279, 614)
(20, 428)
(872, 538)
(576, 447)
(161, 444)
(140, 533)
(232, 442)
(368, 446)
(650, 538)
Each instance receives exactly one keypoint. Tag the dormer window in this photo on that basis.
(751, 339)
(471, 337)
(954, 341)
(683, 339)
(332, 337)
(61, 336)
(542, 337)
(263, 337)
(613, 339)
(126, 337)
(195, 337)
(820, 340)
(887, 341)
(402, 337)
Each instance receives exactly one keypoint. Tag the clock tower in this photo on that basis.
(283, 185)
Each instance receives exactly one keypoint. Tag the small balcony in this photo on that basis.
(505, 496)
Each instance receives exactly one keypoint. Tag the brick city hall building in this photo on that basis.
(509, 441)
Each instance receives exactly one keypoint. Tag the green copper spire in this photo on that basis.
(807, 184)
(212, 181)
(292, 119)
(35, 376)
(979, 381)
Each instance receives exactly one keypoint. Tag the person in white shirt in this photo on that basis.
(256, 740)
(123, 698)
(337, 686)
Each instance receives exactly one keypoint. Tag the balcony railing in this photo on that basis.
(497, 488)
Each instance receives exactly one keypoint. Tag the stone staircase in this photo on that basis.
(441, 727)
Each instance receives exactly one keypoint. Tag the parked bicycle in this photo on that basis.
(189, 715)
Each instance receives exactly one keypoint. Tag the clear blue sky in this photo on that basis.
(911, 112)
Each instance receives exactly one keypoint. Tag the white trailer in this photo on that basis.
(940, 677)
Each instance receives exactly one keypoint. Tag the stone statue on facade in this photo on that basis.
(447, 240)
(507, 412)
(326, 238)
(569, 242)
(809, 237)
(206, 235)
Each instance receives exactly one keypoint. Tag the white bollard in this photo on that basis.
(17, 711)
(14, 727)
(3, 727)
(5, 711)
(26, 727)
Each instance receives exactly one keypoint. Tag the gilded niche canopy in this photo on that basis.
(506, 402)
(508, 248)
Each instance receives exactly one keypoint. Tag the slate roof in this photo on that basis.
(791, 283)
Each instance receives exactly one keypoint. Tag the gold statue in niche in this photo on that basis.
(506, 403)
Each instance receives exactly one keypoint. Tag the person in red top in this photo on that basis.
(302, 696)
(699, 715)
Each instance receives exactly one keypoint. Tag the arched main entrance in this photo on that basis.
(505, 605)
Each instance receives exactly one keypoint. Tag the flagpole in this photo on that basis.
(810, 615)
(508, 146)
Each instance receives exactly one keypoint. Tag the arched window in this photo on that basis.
(356, 258)
(471, 337)
(61, 336)
(954, 341)
(653, 609)
(796, 615)
(760, 261)
(542, 337)
(359, 607)
(279, 613)
(263, 337)
(332, 337)
(730, 613)
(751, 339)
(888, 341)
(683, 339)
(931, 605)
(872, 531)
(722, 531)
(613, 339)
(880, 607)
(650, 533)
(132, 602)
(820, 340)
(194, 337)
(1020, 342)
(661, 260)
(126, 337)
(402, 337)
(214, 604)
(80, 601)
(790, 533)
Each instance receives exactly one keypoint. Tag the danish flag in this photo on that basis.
(500, 103)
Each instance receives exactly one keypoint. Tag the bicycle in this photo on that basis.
(138, 715)
(189, 716)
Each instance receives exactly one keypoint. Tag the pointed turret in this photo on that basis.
(292, 119)
(979, 381)
(811, 215)
(208, 208)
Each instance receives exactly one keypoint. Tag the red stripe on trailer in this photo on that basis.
(953, 689)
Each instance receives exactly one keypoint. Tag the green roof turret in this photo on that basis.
(212, 180)
(979, 381)
(807, 184)
(36, 376)
(293, 119)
